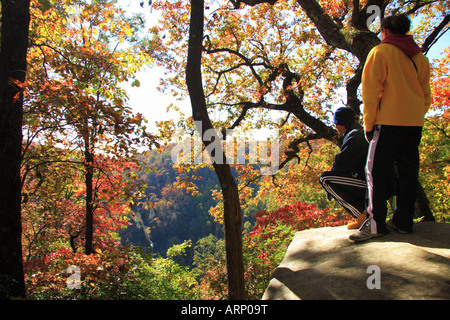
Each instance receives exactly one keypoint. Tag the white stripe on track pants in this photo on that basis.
(348, 191)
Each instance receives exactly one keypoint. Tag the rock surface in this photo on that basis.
(324, 264)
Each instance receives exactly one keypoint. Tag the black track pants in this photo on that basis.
(399, 145)
(348, 191)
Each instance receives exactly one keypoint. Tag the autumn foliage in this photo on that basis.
(264, 247)
(299, 216)
(86, 172)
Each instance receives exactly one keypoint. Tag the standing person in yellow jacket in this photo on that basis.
(396, 95)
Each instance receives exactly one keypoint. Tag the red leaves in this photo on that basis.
(440, 82)
(18, 85)
(49, 279)
(300, 216)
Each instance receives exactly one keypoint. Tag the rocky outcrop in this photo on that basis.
(324, 264)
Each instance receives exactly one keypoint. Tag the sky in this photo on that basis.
(152, 104)
(146, 99)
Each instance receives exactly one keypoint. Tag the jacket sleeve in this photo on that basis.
(373, 78)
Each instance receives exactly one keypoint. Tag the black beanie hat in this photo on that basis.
(344, 116)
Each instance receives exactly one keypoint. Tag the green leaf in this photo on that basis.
(136, 83)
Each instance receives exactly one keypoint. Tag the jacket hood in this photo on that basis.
(354, 126)
(404, 42)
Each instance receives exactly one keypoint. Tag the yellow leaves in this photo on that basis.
(128, 30)
(103, 26)
(112, 26)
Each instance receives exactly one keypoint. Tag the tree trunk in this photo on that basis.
(232, 209)
(423, 209)
(13, 66)
(233, 232)
(89, 176)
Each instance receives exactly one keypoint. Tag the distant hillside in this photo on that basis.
(174, 215)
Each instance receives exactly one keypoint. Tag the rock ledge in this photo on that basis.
(324, 264)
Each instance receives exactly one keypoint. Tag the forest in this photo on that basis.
(93, 205)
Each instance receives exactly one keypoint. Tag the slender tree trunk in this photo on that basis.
(232, 209)
(233, 233)
(89, 176)
(13, 66)
(423, 209)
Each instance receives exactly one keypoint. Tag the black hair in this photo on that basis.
(397, 24)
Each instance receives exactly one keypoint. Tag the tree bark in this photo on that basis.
(232, 209)
(13, 66)
(89, 176)
(423, 209)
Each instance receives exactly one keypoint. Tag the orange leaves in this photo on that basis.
(335, 8)
(440, 83)
(18, 85)
(76, 69)
(54, 212)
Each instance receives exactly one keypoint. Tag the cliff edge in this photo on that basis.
(324, 264)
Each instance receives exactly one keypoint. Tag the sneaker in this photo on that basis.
(391, 224)
(357, 223)
(367, 231)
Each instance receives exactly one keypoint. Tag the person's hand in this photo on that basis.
(369, 135)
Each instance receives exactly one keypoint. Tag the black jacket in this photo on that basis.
(353, 155)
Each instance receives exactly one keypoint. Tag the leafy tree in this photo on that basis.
(434, 149)
(207, 250)
(165, 279)
(53, 219)
(79, 57)
(285, 64)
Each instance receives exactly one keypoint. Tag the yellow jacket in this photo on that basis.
(393, 92)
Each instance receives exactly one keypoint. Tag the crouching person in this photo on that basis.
(346, 182)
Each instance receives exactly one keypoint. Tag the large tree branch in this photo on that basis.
(436, 34)
(295, 107)
(360, 16)
(329, 30)
(292, 151)
(352, 90)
